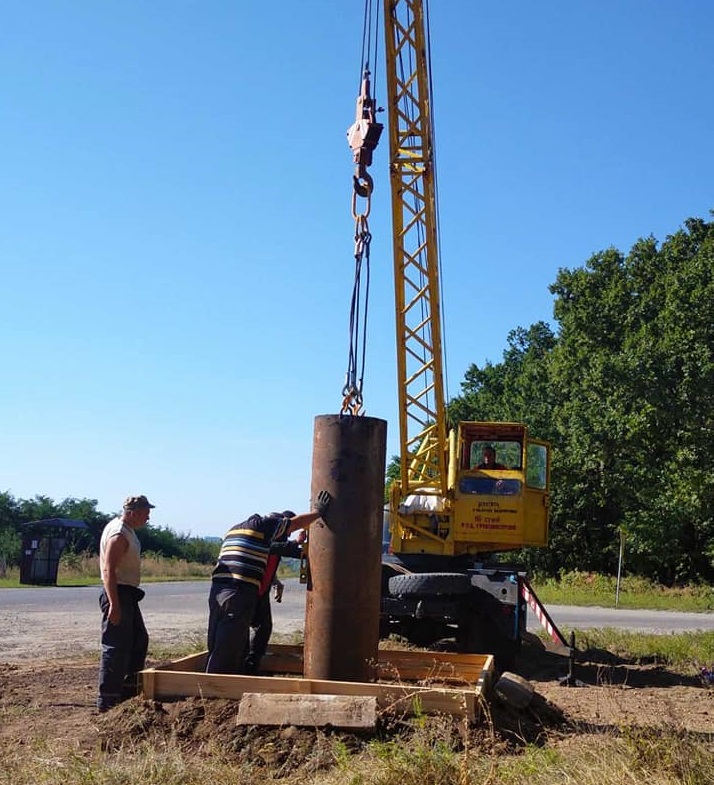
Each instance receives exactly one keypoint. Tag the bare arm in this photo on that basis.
(302, 521)
(116, 548)
(321, 504)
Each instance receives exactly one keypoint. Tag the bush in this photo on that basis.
(10, 547)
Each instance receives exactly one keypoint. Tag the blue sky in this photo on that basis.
(176, 238)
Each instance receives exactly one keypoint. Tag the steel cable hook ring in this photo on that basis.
(362, 187)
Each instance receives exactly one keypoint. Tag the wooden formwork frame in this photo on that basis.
(406, 681)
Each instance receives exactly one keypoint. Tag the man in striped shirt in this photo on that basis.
(236, 580)
(262, 622)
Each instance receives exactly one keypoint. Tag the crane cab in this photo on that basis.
(499, 486)
(496, 499)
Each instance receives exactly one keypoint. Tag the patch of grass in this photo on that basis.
(661, 758)
(684, 652)
(651, 754)
(637, 758)
(190, 644)
(147, 764)
(585, 588)
(158, 568)
(83, 570)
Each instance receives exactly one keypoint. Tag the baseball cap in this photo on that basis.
(137, 503)
(283, 514)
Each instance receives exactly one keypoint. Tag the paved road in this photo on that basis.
(660, 622)
(60, 621)
(176, 599)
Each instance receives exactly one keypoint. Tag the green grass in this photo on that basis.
(12, 581)
(684, 652)
(584, 588)
(83, 570)
(432, 754)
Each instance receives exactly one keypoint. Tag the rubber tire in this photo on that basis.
(514, 690)
(419, 584)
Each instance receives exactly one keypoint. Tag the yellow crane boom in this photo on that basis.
(422, 425)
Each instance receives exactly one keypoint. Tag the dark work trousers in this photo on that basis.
(262, 624)
(124, 648)
(230, 609)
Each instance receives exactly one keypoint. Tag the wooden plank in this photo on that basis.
(418, 700)
(294, 649)
(147, 682)
(178, 684)
(395, 697)
(313, 711)
(192, 662)
(405, 655)
(278, 661)
(472, 672)
(464, 668)
(395, 664)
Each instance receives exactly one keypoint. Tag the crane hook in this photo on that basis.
(361, 187)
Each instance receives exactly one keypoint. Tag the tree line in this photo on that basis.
(154, 539)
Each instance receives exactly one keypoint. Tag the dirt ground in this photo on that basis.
(53, 699)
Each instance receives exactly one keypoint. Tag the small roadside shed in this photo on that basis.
(42, 545)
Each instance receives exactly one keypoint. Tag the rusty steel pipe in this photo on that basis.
(344, 577)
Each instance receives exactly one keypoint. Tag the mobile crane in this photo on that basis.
(479, 488)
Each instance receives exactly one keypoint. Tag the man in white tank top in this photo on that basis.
(124, 637)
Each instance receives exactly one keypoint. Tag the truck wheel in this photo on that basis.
(424, 583)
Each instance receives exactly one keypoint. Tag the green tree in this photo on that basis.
(632, 374)
(161, 540)
(394, 468)
(625, 394)
(516, 389)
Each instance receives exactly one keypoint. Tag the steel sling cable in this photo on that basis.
(352, 401)
(362, 136)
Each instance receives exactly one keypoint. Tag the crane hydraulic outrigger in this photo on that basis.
(464, 493)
